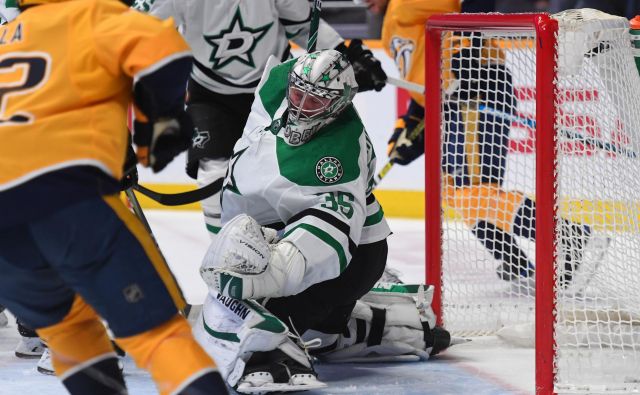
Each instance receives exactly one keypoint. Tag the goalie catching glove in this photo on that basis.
(242, 264)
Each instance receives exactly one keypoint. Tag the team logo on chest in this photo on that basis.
(329, 170)
(236, 42)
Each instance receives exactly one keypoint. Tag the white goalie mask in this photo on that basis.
(321, 85)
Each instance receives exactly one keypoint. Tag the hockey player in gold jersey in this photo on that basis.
(71, 254)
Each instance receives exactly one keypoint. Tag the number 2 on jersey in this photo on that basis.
(32, 69)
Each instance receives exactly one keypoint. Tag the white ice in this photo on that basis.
(484, 366)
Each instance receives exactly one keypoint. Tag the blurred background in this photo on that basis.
(364, 20)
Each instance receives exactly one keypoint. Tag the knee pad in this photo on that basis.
(393, 322)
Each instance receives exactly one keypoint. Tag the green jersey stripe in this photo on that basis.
(330, 220)
(327, 238)
(374, 218)
(213, 229)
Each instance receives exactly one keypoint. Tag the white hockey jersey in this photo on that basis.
(231, 40)
(8, 11)
(318, 193)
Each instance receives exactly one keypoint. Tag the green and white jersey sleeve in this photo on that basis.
(316, 193)
(8, 11)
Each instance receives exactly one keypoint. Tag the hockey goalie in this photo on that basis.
(293, 271)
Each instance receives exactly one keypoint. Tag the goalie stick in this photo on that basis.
(169, 199)
(313, 28)
(528, 122)
(178, 199)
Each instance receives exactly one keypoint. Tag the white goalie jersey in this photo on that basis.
(317, 194)
(231, 40)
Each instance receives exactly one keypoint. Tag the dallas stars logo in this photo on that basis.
(329, 170)
(236, 42)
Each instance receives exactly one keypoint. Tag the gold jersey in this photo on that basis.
(403, 32)
(66, 76)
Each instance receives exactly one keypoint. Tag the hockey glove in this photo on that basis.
(407, 141)
(242, 264)
(368, 70)
(160, 142)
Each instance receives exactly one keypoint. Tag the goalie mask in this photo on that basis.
(321, 85)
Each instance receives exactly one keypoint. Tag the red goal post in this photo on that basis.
(546, 30)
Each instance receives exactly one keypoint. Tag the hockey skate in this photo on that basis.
(583, 252)
(45, 366)
(29, 348)
(275, 371)
(521, 279)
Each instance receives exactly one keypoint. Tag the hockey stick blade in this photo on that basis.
(179, 199)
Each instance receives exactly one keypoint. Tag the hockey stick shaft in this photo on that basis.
(571, 134)
(137, 210)
(528, 122)
(313, 29)
(404, 84)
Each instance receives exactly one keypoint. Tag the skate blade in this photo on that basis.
(27, 356)
(311, 384)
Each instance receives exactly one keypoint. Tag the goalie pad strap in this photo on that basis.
(379, 317)
(361, 330)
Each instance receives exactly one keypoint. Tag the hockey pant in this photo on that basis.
(94, 259)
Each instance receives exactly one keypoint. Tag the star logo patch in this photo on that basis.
(329, 170)
(235, 43)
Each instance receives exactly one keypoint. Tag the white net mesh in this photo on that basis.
(489, 175)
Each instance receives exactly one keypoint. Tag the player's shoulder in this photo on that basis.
(331, 157)
(272, 89)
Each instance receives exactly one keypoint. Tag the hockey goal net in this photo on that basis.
(533, 189)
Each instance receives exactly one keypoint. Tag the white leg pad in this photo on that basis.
(387, 324)
(230, 330)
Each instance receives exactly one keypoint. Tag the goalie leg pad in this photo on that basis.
(391, 323)
(241, 336)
